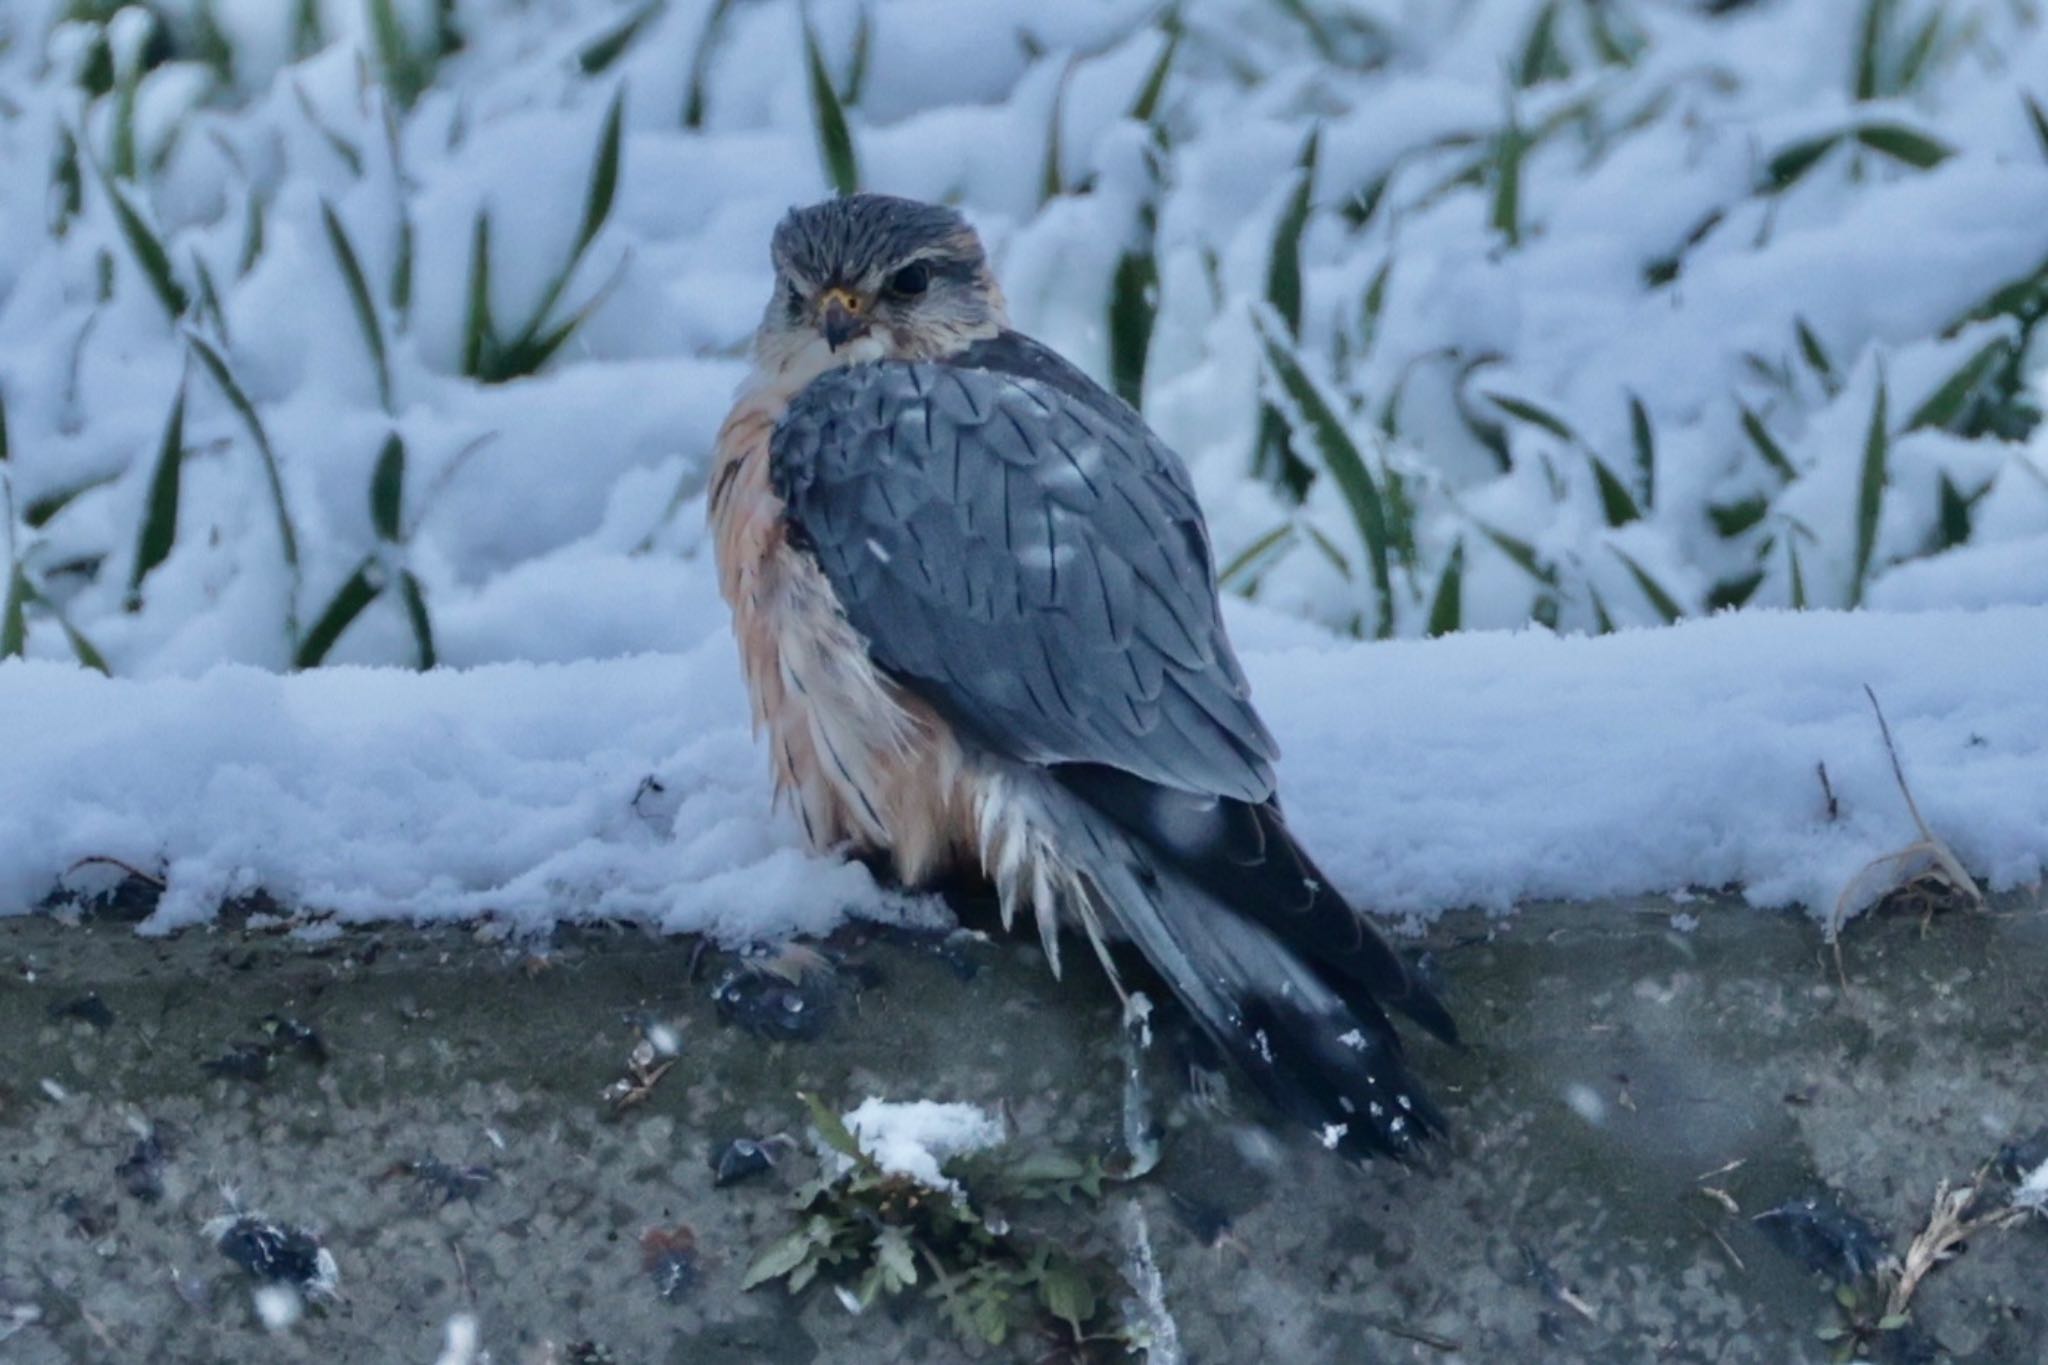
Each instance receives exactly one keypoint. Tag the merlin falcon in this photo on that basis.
(977, 612)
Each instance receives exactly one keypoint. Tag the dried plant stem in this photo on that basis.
(1947, 1228)
(1928, 845)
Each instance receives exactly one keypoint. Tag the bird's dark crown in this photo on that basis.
(848, 240)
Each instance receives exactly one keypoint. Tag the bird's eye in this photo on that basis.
(912, 279)
(794, 301)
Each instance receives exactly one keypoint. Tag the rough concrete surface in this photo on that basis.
(1633, 1092)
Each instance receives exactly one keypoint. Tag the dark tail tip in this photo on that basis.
(1343, 1077)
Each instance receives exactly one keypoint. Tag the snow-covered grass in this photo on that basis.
(396, 332)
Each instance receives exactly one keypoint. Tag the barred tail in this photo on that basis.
(1307, 1027)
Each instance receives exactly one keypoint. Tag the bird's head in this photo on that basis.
(874, 277)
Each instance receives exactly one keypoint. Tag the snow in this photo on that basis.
(916, 1138)
(2033, 1191)
(552, 522)
(1475, 770)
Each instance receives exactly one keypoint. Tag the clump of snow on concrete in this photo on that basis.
(459, 1341)
(916, 1138)
(2033, 1191)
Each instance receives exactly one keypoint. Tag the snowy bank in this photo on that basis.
(1478, 769)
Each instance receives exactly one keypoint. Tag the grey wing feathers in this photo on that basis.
(1015, 544)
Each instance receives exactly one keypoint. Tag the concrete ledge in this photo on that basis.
(1615, 1061)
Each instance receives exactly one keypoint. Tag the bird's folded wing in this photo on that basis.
(1024, 555)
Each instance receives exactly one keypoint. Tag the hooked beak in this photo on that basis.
(839, 317)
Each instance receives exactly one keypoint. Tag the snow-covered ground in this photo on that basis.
(1478, 769)
(379, 332)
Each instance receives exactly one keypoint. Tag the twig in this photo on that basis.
(1416, 1334)
(101, 859)
(1928, 845)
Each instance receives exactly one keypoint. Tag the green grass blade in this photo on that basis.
(1868, 81)
(1283, 266)
(1374, 304)
(359, 296)
(857, 66)
(416, 612)
(252, 236)
(1789, 165)
(1541, 60)
(1273, 543)
(1341, 457)
(1326, 547)
(67, 184)
(149, 253)
(1149, 93)
(401, 273)
(1954, 527)
(1731, 519)
(1505, 213)
(406, 72)
(1523, 410)
(387, 489)
(210, 308)
(39, 512)
(1133, 309)
(1660, 600)
(700, 63)
(1905, 145)
(1817, 357)
(1051, 184)
(1302, 13)
(160, 512)
(828, 117)
(604, 175)
(1730, 593)
(1615, 500)
(2039, 120)
(1603, 623)
(1948, 402)
(1521, 553)
(307, 37)
(1798, 578)
(14, 615)
(288, 540)
(1773, 453)
(1644, 438)
(479, 335)
(1913, 63)
(121, 156)
(1447, 607)
(3, 424)
(350, 155)
(1870, 492)
(599, 54)
(348, 602)
(82, 649)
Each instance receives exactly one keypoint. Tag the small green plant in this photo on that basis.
(1859, 1326)
(874, 1233)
